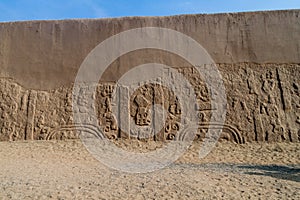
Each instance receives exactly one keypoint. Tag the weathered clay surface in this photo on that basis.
(258, 55)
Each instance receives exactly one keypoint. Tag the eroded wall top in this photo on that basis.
(47, 54)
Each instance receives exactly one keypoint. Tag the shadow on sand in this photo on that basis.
(291, 173)
(285, 172)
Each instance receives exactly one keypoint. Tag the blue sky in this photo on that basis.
(16, 10)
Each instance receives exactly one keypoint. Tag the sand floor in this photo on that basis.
(66, 170)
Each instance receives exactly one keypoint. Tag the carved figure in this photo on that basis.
(143, 114)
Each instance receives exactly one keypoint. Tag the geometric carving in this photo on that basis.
(233, 136)
(58, 132)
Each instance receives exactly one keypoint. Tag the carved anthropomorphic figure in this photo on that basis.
(143, 116)
(110, 122)
(143, 113)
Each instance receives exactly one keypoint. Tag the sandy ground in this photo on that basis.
(66, 170)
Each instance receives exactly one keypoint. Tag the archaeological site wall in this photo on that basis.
(257, 54)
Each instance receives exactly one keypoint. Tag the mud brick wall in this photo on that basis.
(257, 53)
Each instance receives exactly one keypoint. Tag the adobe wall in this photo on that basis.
(257, 53)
